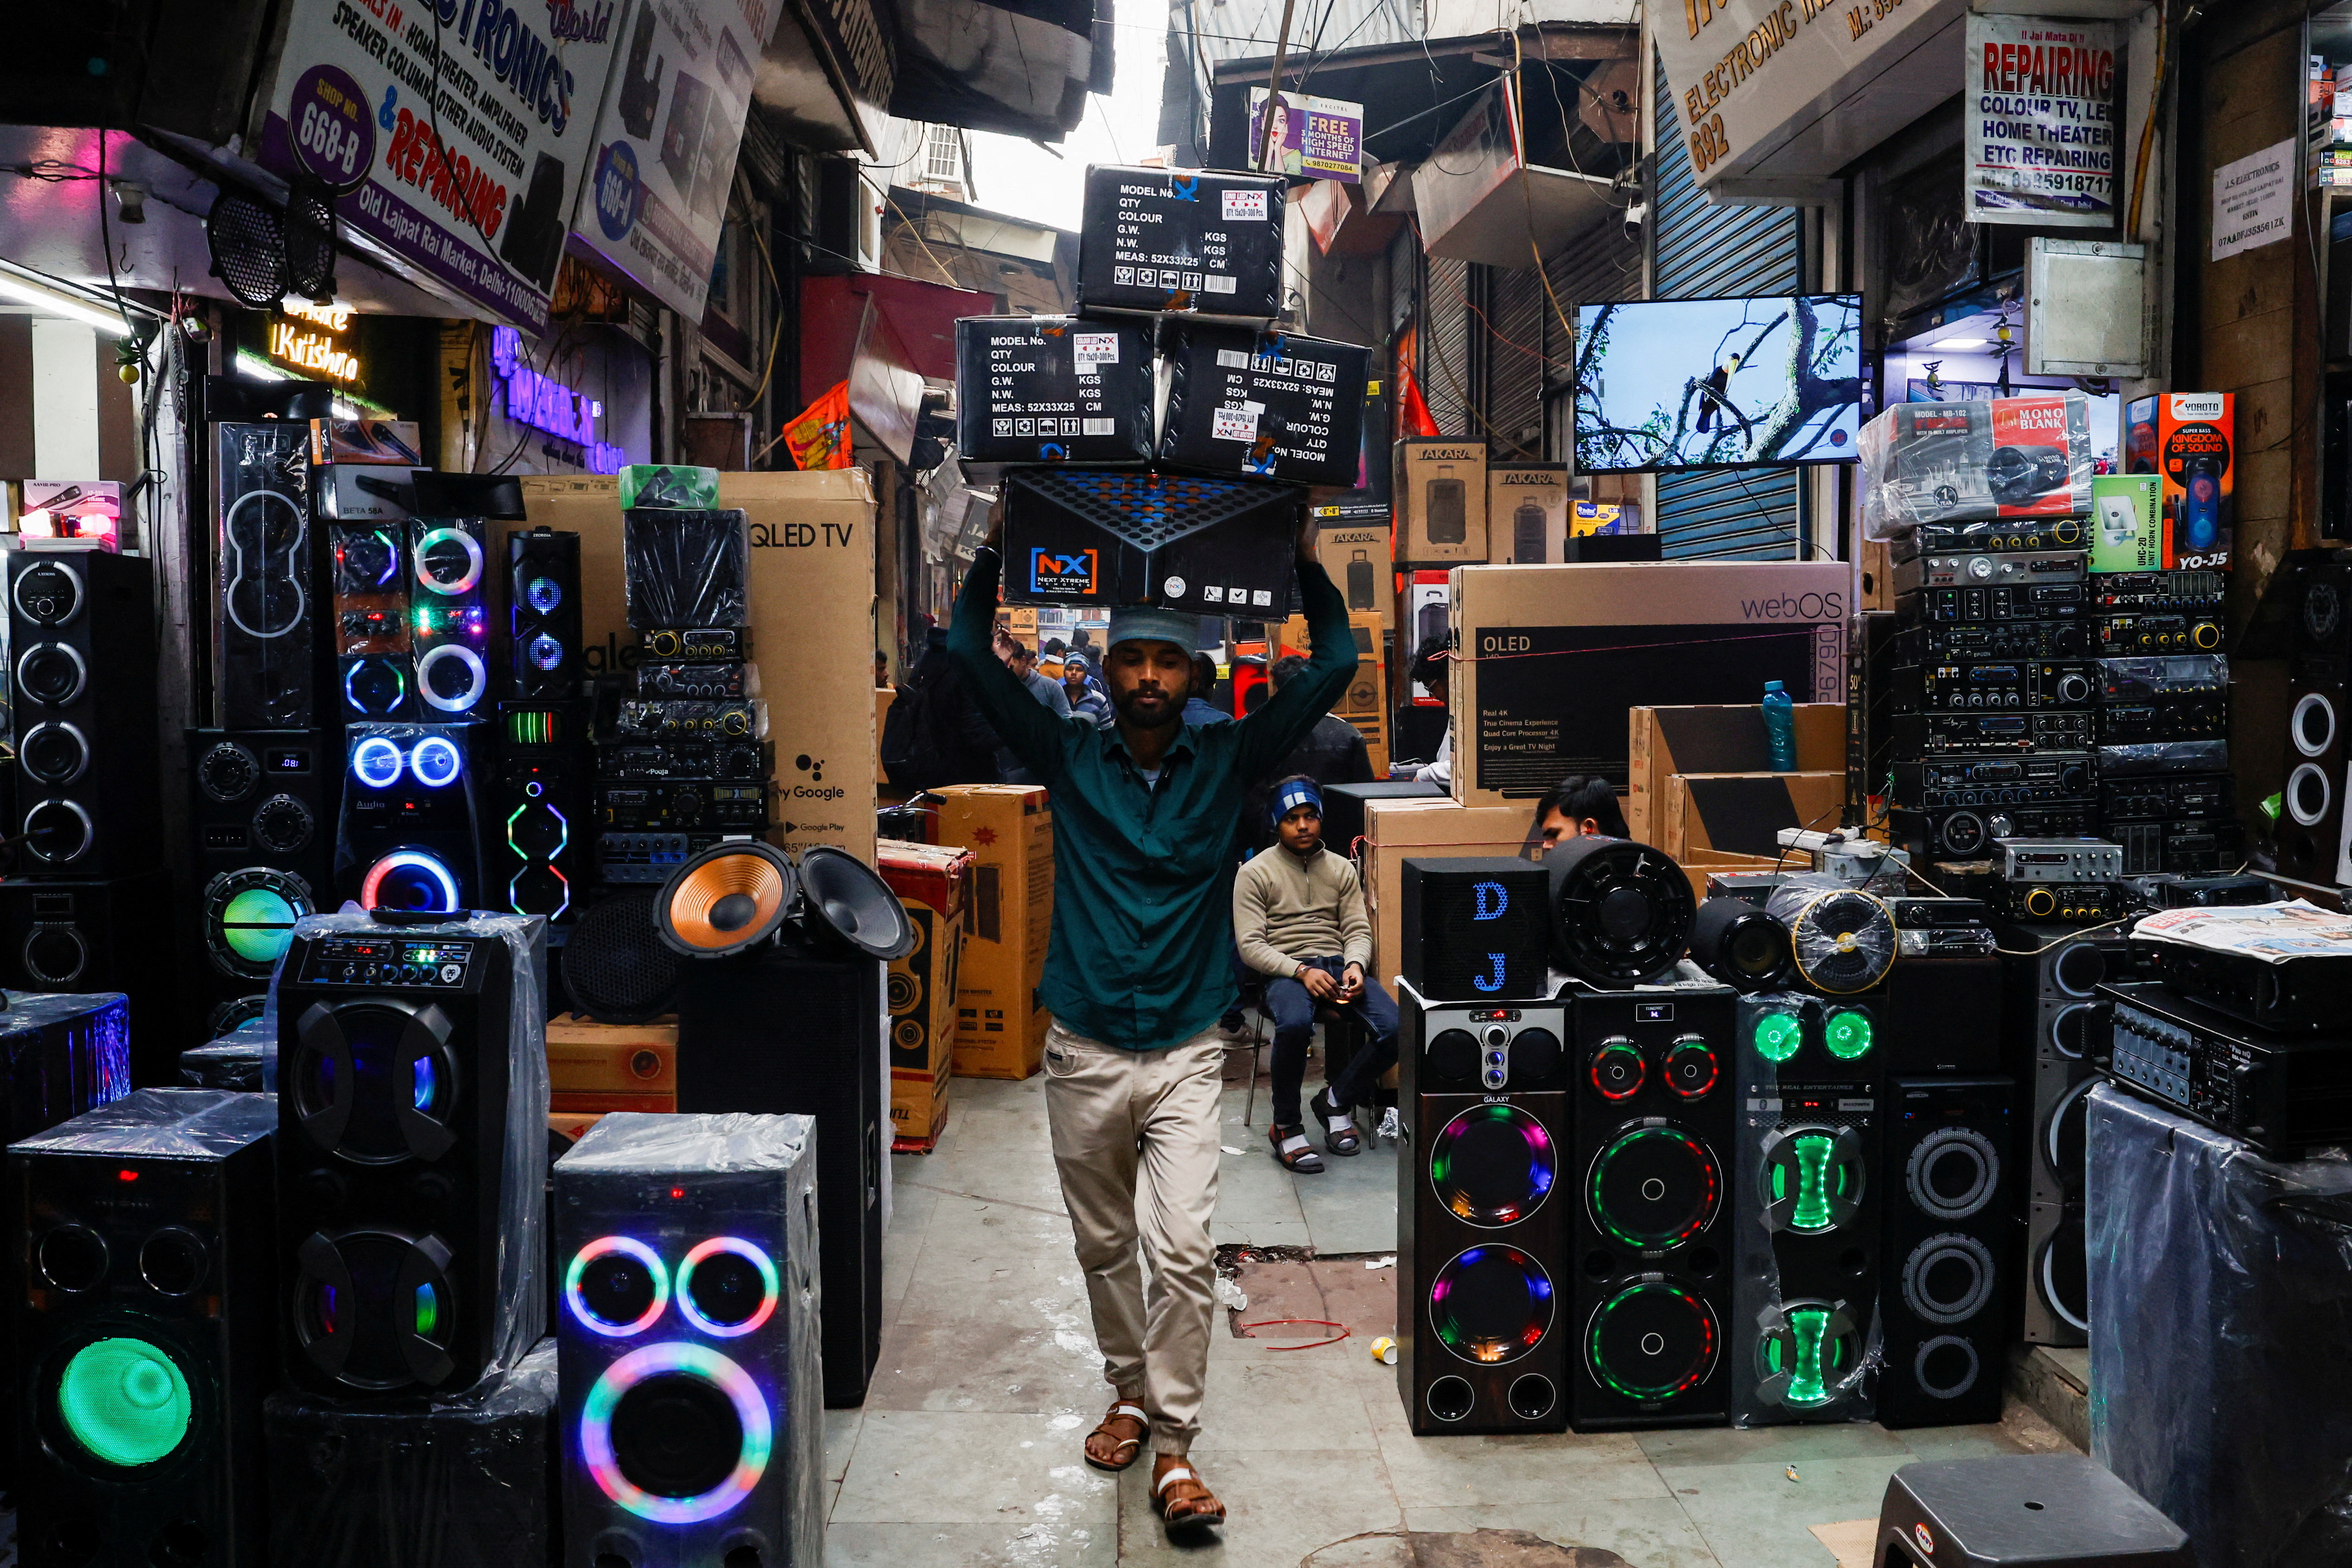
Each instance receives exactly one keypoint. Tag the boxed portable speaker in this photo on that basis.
(1269, 405)
(2187, 437)
(1009, 829)
(1202, 242)
(1527, 512)
(1052, 389)
(933, 883)
(1210, 546)
(1441, 500)
(1355, 552)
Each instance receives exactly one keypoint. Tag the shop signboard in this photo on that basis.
(1314, 137)
(2041, 122)
(455, 135)
(663, 155)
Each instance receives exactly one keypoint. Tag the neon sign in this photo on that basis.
(545, 403)
(317, 351)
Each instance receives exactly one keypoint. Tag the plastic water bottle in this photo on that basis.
(1780, 727)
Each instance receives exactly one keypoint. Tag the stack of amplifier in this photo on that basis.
(2035, 698)
(1162, 435)
(682, 759)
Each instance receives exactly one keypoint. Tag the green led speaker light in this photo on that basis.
(124, 1401)
(1848, 1036)
(1812, 1210)
(1807, 1328)
(1777, 1035)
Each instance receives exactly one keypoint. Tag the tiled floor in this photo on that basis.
(966, 1455)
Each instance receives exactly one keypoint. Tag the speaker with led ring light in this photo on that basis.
(783, 1010)
(408, 837)
(1805, 1199)
(412, 1152)
(270, 652)
(262, 807)
(688, 1340)
(2309, 842)
(147, 1337)
(1948, 1301)
(1650, 1238)
(81, 641)
(542, 570)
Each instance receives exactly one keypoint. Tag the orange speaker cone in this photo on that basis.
(725, 899)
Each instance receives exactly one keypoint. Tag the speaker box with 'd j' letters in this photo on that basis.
(81, 642)
(145, 1331)
(1948, 1296)
(1482, 1322)
(412, 1153)
(688, 1342)
(1650, 1238)
(1475, 928)
(1210, 546)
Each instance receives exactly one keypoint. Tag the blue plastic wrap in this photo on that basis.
(246, 1058)
(463, 1482)
(2220, 1292)
(61, 1055)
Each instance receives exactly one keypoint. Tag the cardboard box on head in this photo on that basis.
(1553, 658)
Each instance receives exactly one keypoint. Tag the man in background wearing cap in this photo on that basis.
(1147, 819)
(1299, 918)
(1085, 702)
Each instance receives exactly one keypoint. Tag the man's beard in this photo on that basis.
(1124, 701)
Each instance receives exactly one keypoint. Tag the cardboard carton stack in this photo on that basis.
(1000, 1028)
(934, 883)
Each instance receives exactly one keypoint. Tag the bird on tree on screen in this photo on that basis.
(1713, 391)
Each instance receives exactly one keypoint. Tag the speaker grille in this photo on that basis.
(616, 966)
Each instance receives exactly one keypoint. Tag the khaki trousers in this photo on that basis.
(1101, 1101)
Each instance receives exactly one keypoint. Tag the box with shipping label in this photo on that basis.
(1265, 404)
(1743, 814)
(1097, 537)
(1201, 242)
(2127, 523)
(1355, 553)
(594, 1067)
(2188, 438)
(1527, 512)
(1730, 739)
(1396, 831)
(1009, 828)
(1552, 659)
(1052, 389)
(1441, 500)
(934, 884)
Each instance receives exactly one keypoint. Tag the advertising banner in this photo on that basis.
(454, 132)
(1314, 137)
(664, 153)
(2042, 121)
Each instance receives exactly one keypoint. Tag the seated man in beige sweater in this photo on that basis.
(1300, 919)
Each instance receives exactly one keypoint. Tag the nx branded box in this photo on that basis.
(1181, 239)
(1052, 389)
(1553, 658)
(1086, 536)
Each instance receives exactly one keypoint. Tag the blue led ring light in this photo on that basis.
(473, 549)
(477, 677)
(376, 761)
(435, 761)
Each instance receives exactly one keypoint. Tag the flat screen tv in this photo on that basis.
(1666, 385)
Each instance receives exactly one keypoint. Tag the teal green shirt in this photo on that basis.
(1143, 876)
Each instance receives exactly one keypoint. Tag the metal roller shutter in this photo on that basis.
(1705, 251)
(1515, 371)
(1446, 349)
(1600, 268)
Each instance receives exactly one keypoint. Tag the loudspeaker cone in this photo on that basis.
(1620, 912)
(1741, 945)
(725, 899)
(845, 902)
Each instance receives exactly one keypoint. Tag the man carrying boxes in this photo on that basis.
(1147, 816)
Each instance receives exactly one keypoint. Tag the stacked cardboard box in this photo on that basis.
(1667, 744)
(595, 1068)
(1009, 829)
(934, 883)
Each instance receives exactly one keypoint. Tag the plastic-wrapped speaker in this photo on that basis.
(1741, 945)
(1842, 940)
(1622, 911)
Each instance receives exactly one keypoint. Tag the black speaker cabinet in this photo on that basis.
(391, 1483)
(83, 937)
(267, 646)
(1481, 1331)
(262, 806)
(1650, 1233)
(145, 1338)
(1948, 1299)
(395, 1051)
(687, 1336)
(1476, 928)
(450, 615)
(1805, 1196)
(543, 607)
(782, 1029)
(408, 837)
(538, 817)
(82, 638)
(1622, 913)
(2310, 834)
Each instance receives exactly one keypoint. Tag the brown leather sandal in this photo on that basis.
(1124, 1450)
(1184, 1500)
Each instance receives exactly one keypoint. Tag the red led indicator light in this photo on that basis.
(126, 1176)
(678, 1192)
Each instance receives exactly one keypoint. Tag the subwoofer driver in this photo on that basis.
(58, 831)
(53, 753)
(51, 674)
(227, 771)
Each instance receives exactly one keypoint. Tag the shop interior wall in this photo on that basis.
(2248, 324)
